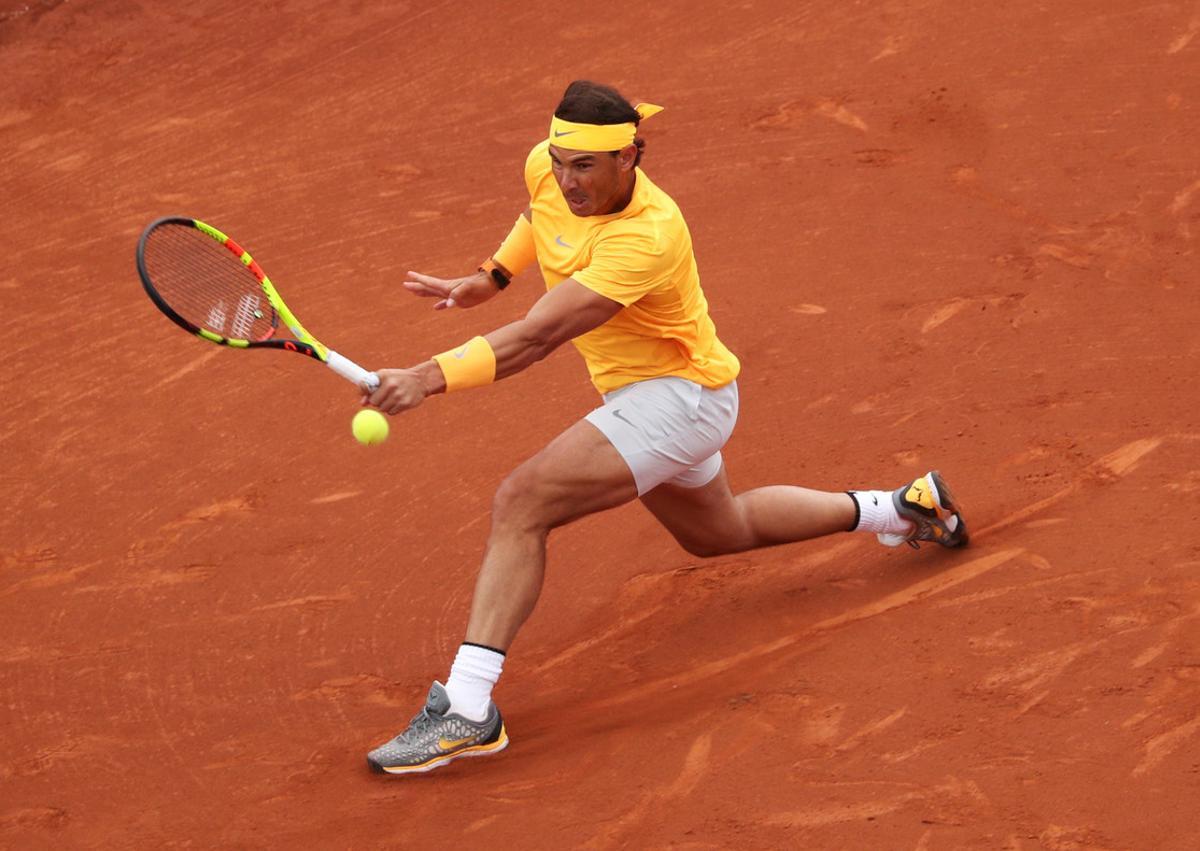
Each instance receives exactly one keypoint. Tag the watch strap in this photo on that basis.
(493, 271)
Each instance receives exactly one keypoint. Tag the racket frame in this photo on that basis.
(304, 342)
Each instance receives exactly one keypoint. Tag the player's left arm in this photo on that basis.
(563, 313)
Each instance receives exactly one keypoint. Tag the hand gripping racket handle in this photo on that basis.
(351, 371)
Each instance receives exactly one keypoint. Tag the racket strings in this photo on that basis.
(205, 284)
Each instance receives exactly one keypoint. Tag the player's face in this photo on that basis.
(593, 183)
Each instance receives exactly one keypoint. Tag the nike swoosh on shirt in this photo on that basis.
(559, 241)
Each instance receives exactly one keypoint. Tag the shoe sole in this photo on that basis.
(945, 498)
(438, 761)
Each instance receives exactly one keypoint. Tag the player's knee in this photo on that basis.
(509, 500)
(517, 501)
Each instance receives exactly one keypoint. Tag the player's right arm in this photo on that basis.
(517, 250)
(464, 292)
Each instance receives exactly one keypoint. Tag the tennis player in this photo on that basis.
(623, 287)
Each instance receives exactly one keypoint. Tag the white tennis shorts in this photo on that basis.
(668, 429)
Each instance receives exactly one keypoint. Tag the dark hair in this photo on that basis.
(586, 102)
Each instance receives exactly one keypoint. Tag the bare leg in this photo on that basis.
(578, 473)
(711, 520)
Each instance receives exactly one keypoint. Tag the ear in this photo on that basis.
(626, 157)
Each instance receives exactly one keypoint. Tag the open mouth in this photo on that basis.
(577, 203)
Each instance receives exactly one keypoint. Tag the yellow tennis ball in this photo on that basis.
(369, 427)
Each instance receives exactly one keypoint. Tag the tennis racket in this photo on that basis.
(210, 286)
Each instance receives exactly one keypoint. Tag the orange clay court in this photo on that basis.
(936, 234)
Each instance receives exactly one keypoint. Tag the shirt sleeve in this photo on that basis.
(537, 163)
(625, 267)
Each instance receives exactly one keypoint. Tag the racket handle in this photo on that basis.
(351, 371)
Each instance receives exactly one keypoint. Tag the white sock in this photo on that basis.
(474, 672)
(877, 513)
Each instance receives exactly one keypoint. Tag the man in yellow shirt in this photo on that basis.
(623, 287)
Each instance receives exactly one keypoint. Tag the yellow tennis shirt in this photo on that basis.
(642, 258)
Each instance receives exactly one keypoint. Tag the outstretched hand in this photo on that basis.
(452, 292)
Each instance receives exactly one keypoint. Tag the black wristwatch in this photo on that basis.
(495, 273)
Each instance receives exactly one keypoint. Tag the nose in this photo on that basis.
(566, 180)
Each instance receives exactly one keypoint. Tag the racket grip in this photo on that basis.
(351, 371)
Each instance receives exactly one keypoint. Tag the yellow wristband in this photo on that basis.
(473, 364)
(517, 252)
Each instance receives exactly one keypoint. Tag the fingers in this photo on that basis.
(427, 285)
(399, 390)
(429, 282)
(424, 290)
(457, 292)
(388, 403)
(376, 397)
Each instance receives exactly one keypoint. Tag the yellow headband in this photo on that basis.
(598, 137)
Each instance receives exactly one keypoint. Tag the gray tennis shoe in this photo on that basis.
(928, 504)
(435, 737)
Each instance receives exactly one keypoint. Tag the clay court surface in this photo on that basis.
(937, 234)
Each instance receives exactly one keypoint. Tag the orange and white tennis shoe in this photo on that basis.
(928, 504)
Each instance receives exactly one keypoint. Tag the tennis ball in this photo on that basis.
(369, 427)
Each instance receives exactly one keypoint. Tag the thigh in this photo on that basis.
(577, 473)
(703, 520)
